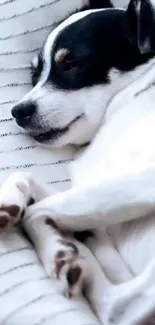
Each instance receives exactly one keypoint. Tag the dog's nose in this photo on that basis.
(23, 113)
(23, 110)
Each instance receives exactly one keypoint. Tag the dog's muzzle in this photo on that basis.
(24, 115)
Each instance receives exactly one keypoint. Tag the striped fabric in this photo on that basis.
(27, 296)
(120, 3)
(23, 29)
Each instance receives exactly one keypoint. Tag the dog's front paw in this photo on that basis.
(14, 198)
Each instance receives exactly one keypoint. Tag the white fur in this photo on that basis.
(48, 241)
(113, 183)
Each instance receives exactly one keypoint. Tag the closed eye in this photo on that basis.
(75, 63)
(71, 64)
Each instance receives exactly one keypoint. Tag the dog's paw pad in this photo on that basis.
(13, 210)
(70, 269)
(74, 276)
(9, 216)
(4, 220)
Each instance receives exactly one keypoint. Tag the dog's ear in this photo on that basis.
(141, 25)
(96, 4)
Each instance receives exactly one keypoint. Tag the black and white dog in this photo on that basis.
(95, 79)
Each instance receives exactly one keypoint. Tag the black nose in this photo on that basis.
(23, 113)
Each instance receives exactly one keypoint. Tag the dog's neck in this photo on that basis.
(122, 87)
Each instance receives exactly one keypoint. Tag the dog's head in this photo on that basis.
(73, 75)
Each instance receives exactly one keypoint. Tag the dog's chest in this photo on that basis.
(124, 145)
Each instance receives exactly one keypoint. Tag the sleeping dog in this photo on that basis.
(94, 82)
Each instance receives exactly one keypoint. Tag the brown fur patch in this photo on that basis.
(3, 222)
(13, 210)
(59, 265)
(74, 248)
(69, 244)
(61, 55)
(73, 275)
(60, 254)
(51, 223)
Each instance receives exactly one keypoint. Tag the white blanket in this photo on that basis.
(27, 296)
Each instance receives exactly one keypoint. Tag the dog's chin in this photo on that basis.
(51, 136)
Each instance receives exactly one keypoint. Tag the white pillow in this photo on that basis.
(27, 296)
(24, 26)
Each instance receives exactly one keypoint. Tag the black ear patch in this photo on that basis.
(141, 25)
(94, 4)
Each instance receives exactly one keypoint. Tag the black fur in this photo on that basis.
(96, 44)
(97, 4)
(100, 4)
(99, 42)
(93, 4)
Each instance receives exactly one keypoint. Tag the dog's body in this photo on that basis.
(123, 149)
(113, 190)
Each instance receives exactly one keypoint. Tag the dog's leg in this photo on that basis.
(132, 303)
(63, 261)
(61, 258)
(100, 204)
